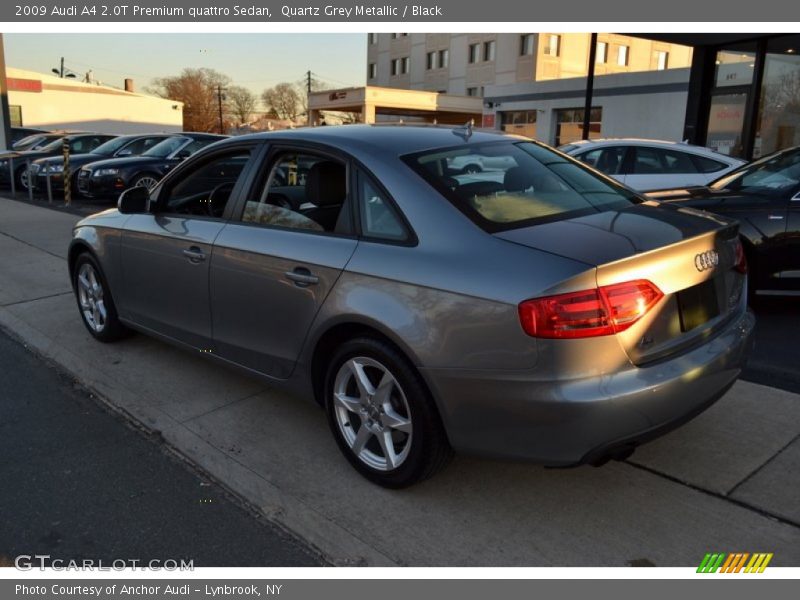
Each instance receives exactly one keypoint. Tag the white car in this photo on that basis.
(477, 163)
(653, 164)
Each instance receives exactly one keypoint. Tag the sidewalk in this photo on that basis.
(728, 481)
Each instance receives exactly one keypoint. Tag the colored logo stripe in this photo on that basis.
(734, 563)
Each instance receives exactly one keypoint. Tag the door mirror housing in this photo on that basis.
(134, 200)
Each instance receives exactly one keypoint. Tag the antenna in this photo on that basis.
(465, 131)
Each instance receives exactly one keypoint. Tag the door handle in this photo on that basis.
(194, 254)
(302, 277)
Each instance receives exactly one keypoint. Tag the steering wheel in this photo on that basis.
(218, 198)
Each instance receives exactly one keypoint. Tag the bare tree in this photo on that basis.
(284, 100)
(198, 90)
(241, 103)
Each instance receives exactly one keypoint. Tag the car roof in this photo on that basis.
(391, 140)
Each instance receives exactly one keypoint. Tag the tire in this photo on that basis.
(360, 413)
(143, 179)
(20, 176)
(95, 304)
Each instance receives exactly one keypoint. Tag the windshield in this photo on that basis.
(111, 146)
(505, 185)
(167, 147)
(775, 174)
(52, 146)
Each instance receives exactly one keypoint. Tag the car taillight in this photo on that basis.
(605, 310)
(740, 262)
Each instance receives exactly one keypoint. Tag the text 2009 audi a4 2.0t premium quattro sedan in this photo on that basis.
(540, 311)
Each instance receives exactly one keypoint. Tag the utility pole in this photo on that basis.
(220, 98)
(62, 67)
(308, 81)
(587, 107)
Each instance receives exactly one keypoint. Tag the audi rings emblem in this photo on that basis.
(706, 260)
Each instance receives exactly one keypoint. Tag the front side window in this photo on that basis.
(139, 146)
(304, 192)
(167, 147)
(206, 189)
(526, 184)
(605, 160)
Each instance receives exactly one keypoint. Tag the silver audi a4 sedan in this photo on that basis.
(534, 310)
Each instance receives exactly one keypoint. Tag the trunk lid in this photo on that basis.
(690, 255)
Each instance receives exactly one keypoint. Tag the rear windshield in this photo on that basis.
(506, 185)
(774, 175)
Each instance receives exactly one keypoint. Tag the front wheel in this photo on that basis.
(382, 416)
(146, 181)
(96, 306)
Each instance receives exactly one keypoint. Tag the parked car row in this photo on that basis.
(101, 165)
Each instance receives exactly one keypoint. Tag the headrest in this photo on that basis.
(325, 184)
(517, 179)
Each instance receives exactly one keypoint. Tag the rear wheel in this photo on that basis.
(95, 303)
(382, 416)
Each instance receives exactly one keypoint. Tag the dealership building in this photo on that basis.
(52, 102)
(736, 93)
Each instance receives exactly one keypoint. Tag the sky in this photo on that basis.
(256, 61)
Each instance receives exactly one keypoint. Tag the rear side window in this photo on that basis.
(707, 165)
(379, 219)
(531, 184)
(657, 161)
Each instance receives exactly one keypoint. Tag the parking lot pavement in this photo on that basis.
(79, 483)
(728, 480)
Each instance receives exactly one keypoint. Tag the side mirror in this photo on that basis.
(133, 200)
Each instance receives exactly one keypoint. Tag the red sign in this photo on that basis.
(488, 121)
(24, 85)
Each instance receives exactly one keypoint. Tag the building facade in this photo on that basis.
(466, 63)
(50, 102)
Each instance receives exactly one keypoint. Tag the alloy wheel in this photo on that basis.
(146, 182)
(91, 298)
(372, 413)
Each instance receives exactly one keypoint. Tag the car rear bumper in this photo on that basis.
(513, 414)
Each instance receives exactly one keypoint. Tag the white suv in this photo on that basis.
(652, 164)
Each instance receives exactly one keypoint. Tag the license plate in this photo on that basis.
(698, 304)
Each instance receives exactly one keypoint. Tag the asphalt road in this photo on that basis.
(79, 482)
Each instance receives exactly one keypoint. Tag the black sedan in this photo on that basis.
(764, 196)
(122, 146)
(80, 143)
(109, 178)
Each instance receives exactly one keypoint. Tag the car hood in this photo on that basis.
(129, 161)
(614, 235)
(74, 158)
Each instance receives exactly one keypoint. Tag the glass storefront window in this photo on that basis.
(734, 67)
(519, 122)
(778, 124)
(570, 125)
(726, 122)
